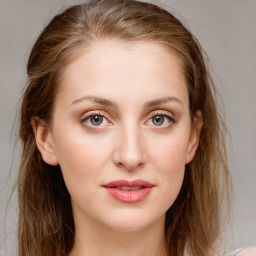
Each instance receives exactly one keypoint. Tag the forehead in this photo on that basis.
(110, 66)
(104, 52)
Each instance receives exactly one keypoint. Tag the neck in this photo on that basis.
(99, 240)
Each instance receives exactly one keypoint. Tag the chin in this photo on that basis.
(132, 222)
(125, 228)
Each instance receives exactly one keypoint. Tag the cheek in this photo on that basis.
(171, 166)
(169, 155)
(80, 158)
(168, 159)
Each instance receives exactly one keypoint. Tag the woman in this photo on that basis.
(123, 145)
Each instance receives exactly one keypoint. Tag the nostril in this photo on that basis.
(130, 166)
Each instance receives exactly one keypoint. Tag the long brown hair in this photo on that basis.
(46, 226)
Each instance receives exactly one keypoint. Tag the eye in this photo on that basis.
(158, 120)
(161, 120)
(95, 120)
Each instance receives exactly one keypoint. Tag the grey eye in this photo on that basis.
(158, 120)
(96, 120)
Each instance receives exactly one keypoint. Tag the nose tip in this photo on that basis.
(130, 163)
(129, 153)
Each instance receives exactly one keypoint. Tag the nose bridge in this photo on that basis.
(130, 151)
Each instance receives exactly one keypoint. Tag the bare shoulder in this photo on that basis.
(248, 251)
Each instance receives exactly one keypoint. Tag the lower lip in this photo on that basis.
(129, 196)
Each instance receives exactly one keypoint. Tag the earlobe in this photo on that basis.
(194, 136)
(44, 141)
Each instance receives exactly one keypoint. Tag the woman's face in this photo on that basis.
(122, 134)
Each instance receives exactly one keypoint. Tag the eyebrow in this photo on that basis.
(162, 101)
(107, 102)
(95, 99)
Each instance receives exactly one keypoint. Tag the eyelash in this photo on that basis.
(93, 114)
(165, 115)
(105, 116)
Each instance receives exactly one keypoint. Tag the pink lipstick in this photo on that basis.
(129, 191)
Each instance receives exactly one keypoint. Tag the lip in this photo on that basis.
(129, 196)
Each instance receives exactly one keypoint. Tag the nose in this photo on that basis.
(129, 149)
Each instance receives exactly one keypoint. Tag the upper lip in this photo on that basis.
(127, 183)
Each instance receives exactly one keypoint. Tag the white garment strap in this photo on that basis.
(236, 252)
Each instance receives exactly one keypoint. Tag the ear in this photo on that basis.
(194, 136)
(44, 141)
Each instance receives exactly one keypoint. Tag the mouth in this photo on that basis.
(129, 188)
(129, 191)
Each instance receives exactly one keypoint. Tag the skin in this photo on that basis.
(129, 144)
(250, 251)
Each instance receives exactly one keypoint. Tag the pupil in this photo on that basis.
(158, 120)
(96, 120)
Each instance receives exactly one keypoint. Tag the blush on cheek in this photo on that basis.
(171, 167)
(80, 160)
(171, 155)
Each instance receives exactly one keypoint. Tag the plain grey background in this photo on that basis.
(226, 30)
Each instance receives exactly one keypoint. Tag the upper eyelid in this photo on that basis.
(161, 112)
(110, 119)
(85, 117)
(105, 114)
(172, 120)
(95, 112)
